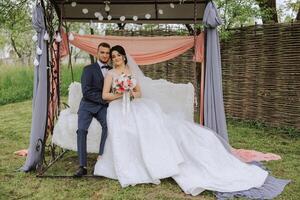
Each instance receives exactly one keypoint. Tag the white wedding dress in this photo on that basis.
(146, 145)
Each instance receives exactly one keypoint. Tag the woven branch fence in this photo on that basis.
(261, 72)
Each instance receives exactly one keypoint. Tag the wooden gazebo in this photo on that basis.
(57, 12)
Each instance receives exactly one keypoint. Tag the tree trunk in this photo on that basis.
(121, 26)
(190, 29)
(298, 15)
(91, 56)
(76, 57)
(13, 43)
(268, 7)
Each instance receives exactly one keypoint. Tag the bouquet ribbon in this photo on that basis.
(126, 103)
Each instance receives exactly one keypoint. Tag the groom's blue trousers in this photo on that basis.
(84, 120)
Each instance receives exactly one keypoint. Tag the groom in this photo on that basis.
(92, 104)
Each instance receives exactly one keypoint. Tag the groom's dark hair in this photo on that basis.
(120, 50)
(103, 44)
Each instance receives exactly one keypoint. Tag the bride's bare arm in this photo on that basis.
(106, 94)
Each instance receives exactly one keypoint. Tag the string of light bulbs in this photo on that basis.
(135, 17)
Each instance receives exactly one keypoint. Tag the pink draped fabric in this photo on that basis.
(144, 50)
(22, 152)
(252, 155)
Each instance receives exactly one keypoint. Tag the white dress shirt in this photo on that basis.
(103, 70)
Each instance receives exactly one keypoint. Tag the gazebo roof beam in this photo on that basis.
(181, 14)
(112, 2)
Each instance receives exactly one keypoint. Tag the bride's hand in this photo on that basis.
(133, 94)
(118, 95)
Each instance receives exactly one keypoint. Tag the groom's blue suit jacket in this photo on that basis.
(92, 82)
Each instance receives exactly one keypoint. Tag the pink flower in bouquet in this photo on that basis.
(124, 83)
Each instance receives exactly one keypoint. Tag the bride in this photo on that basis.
(145, 145)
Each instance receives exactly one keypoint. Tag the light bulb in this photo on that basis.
(46, 36)
(85, 10)
(135, 18)
(58, 38)
(122, 18)
(147, 16)
(71, 36)
(107, 8)
(36, 62)
(97, 14)
(39, 51)
(100, 18)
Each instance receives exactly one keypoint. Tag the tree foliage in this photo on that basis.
(15, 26)
(294, 6)
(239, 13)
(16, 29)
(268, 10)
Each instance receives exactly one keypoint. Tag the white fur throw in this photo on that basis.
(64, 133)
(174, 99)
(65, 136)
(75, 95)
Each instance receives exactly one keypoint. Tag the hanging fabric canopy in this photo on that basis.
(39, 101)
(214, 114)
(144, 50)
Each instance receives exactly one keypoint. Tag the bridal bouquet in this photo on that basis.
(124, 83)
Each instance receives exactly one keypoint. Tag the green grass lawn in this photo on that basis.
(15, 122)
(16, 82)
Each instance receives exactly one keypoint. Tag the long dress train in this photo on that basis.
(146, 145)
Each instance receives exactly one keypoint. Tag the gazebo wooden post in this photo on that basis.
(53, 92)
(196, 80)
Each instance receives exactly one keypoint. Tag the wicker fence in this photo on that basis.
(261, 72)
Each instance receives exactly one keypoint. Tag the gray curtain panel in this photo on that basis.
(271, 188)
(214, 114)
(39, 101)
